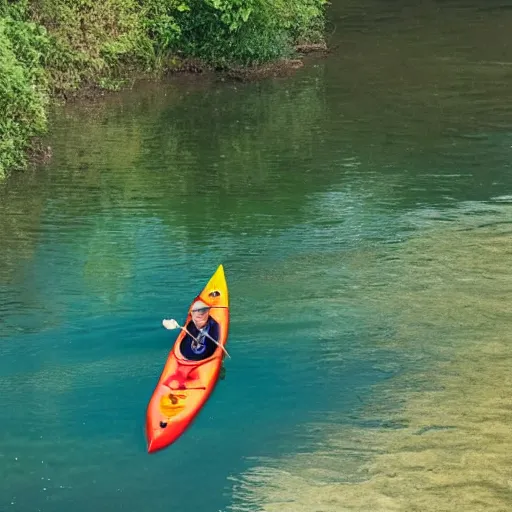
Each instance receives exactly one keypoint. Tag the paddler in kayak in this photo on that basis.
(201, 325)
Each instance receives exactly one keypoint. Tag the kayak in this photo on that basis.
(184, 385)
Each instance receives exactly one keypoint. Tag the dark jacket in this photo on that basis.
(206, 348)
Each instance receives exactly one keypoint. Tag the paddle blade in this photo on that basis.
(170, 324)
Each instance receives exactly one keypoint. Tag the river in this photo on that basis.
(362, 209)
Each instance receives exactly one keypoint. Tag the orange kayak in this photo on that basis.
(184, 385)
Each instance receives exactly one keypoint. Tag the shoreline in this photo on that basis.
(193, 68)
(39, 153)
(65, 52)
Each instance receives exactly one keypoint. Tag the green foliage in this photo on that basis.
(13, 10)
(247, 32)
(93, 41)
(160, 25)
(223, 32)
(23, 86)
(90, 39)
(302, 19)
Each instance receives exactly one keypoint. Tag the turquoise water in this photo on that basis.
(362, 211)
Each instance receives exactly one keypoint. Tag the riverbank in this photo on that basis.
(56, 50)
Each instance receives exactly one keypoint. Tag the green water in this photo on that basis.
(363, 212)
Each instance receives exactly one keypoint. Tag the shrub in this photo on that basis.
(23, 87)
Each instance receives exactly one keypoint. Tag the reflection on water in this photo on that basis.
(442, 439)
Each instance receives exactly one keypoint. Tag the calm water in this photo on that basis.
(363, 212)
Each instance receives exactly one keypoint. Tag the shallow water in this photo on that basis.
(363, 212)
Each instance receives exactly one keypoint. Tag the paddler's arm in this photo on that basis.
(170, 325)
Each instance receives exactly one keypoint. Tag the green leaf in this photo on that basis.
(245, 13)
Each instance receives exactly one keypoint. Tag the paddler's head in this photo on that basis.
(200, 312)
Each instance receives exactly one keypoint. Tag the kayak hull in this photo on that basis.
(184, 386)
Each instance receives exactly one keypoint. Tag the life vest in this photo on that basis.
(200, 346)
(204, 347)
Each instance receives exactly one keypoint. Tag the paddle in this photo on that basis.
(172, 324)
